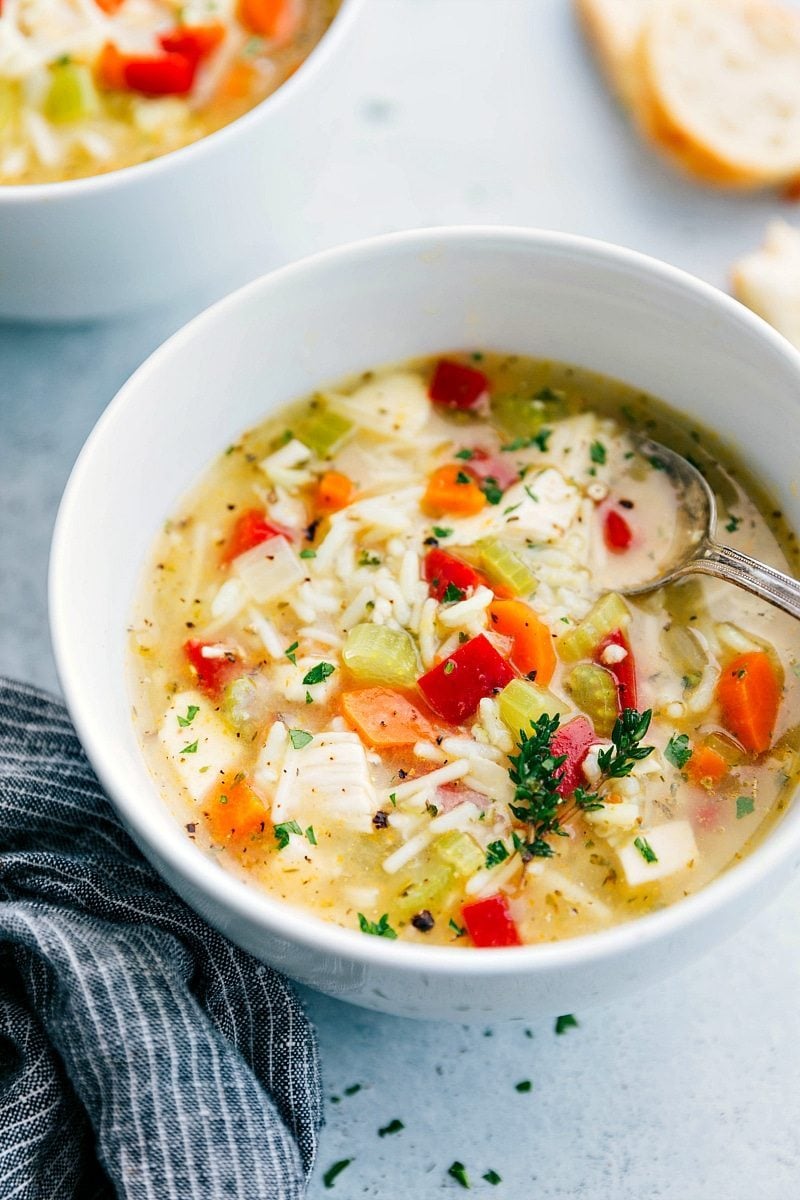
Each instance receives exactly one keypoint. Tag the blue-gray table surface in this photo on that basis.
(476, 111)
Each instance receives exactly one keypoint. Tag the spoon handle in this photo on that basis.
(749, 573)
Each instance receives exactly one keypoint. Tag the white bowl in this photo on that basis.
(113, 243)
(309, 324)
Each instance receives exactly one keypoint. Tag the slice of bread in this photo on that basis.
(614, 28)
(768, 281)
(723, 77)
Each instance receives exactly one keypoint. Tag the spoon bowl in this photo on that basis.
(694, 550)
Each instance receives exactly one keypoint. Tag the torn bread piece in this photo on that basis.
(614, 28)
(768, 280)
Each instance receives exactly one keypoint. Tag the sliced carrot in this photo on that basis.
(533, 642)
(706, 766)
(451, 490)
(334, 491)
(234, 812)
(239, 81)
(749, 694)
(385, 718)
(110, 67)
(109, 6)
(277, 20)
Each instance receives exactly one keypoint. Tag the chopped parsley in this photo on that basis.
(452, 593)
(394, 1126)
(291, 653)
(657, 463)
(441, 532)
(352, 1089)
(492, 1177)
(308, 553)
(449, 667)
(309, 698)
(744, 806)
(531, 494)
(458, 930)
(190, 749)
(645, 849)
(335, 1171)
(539, 439)
(565, 1022)
(597, 453)
(365, 559)
(310, 836)
(300, 738)
(191, 713)
(318, 673)
(678, 751)
(733, 523)
(492, 490)
(465, 454)
(524, 1085)
(463, 477)
(458, 1171)
(284, 831)
(380, 928)
(496, 852)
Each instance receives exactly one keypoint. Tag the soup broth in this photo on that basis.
(89, 86)
(383, 669)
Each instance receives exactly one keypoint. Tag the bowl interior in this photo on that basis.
(341, 312)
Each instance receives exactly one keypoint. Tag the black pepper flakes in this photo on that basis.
(423, 921)
(380, 820)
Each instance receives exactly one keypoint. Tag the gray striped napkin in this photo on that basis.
(141, 1055)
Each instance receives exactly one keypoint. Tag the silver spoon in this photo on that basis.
(693, 548)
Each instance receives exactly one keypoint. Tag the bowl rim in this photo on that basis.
(16, 193)
(189, 863)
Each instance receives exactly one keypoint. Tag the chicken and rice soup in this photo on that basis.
(383, 667)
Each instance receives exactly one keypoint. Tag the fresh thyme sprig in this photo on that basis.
(535, 773)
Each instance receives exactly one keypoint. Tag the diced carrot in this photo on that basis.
(234, 812)
(706, 766)
(109, 6)
(385, 718)
(277, 20)
(452, 490)
(334, 491)
(110, 67)
(239, 81)
(533, 642)
(749, 694)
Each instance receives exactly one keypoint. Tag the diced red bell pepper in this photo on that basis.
(572, 740)
(159, 75)
(443, 569)
(624, 671)
(193, 41)
(617, 532)
(484, 465)
(455, 687)
(489, 922)
(251, 529)
(212, 673)
(455, 386)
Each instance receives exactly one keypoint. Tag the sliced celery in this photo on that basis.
(323, 431)
(521, 703)
(504, 567)
(685, 653)
(431, 891)
(381, 654)
(460, 851)
(523, 416)
(72, 94)
(240, 701)
(732, 752)
(595, 692)
(609, 613)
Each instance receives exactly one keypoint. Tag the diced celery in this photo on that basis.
(732, 752)
(685, 653)
(323, 431)
(460, 851)
(594, 690)
(521, 703)
(431, 891)
(523, 416)
(243, 702)
(381, 654)
(685, 601)
(504, 567)
(72, 94)
(609, 613)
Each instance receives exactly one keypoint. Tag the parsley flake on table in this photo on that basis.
(524, 1085)
(191, 713)
(394, 1126)
(678, 751)
(458, 1171)
(300, 738)
(645, 849)
(744, 806)
(333, 1172)
(492, 1177)
(380, 928)
(352, 1089)
(318, 674)
(565, 1022)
